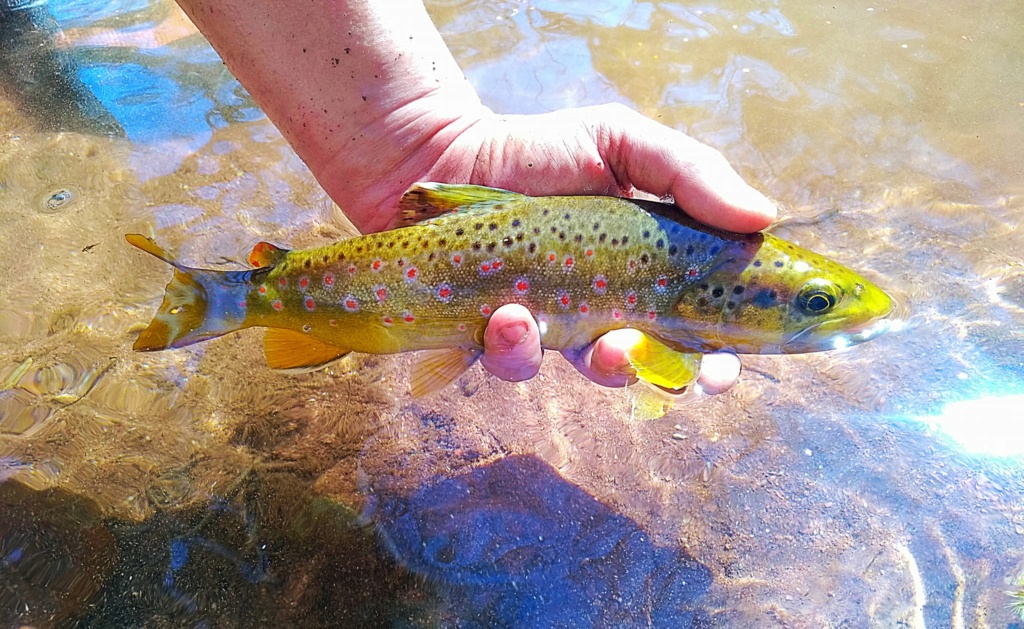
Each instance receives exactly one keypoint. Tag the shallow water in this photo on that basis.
(874, 486)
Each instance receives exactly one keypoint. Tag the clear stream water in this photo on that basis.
(875, 486)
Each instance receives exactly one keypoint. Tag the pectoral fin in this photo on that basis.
(436, 369)
(288, 350)
(663, 366)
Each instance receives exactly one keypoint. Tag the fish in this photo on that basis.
(582, 265)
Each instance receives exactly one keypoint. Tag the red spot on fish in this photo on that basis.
(310, 304)
(462, 327)
(584, 308)
(456, 259)
(616, 314)
(350, 303)
(263, 289)
(569, 262)
(552, 257)
(277, 304)
(589, 253)
(522, 286)
(631, 299)
(380, 292)
(282, 281)
(304, 282)
(485, 267)
(691, 272)
(600, 284)
(485, 310)
(411, 274)
(497, 264)
(387, 320)
(652, 315)
(401, 262)
(407, 317)
(444, 292)
(328, 280)
(632, 264)
(333, 322)
(564, 300)
(377, 264)
(661, 284)
(351, 269)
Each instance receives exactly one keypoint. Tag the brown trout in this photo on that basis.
(582, 265)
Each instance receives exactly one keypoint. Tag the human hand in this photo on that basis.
(595, 150)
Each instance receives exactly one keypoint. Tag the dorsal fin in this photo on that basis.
(424, 201)
(265, 254)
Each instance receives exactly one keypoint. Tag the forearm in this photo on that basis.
(358, 87)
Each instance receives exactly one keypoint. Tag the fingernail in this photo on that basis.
(513, 335)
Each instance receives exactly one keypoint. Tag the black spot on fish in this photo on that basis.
(597, 226)
(717, 292)
(566, 216)
(478, 226)
(689, 250)
(729, 305)
(702, 302)
(778, 263)
(307, 263)
(491, 246)
(532, 248)
(673, 250)
(625, 239)
(644, 258)
(430, 258)
(405, 244)
(764, 299)
(554, 230)
(757, 263)
(660, 244)
(704, 287)
(536, 230)
(380, 244)
(515, 222)
(578, 238)
(327, 258)
(359, 249)
(737, 290)
(561, 235)
(492, 226)
(546, 212)
(615, 242)
(459, 231)
(602, 237)
(499, 206)
(476, 246)
(520, 236)
(442, 243)
(391, 245)
(647, 233)
(507, 241)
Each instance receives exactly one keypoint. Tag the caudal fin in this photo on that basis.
(198, 304)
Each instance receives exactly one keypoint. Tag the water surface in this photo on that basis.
(874, 486)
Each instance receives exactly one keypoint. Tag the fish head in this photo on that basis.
(781, 298)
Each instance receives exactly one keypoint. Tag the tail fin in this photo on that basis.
(198, 304)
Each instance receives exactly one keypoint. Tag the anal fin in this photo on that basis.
(663, 366)
(437, 368)
(293, 351)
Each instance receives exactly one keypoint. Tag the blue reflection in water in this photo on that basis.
(517, 545)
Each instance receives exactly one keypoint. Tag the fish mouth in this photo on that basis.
(841, 336)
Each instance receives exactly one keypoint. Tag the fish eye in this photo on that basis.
(817, 297)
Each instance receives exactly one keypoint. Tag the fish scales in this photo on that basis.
(582, 265)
